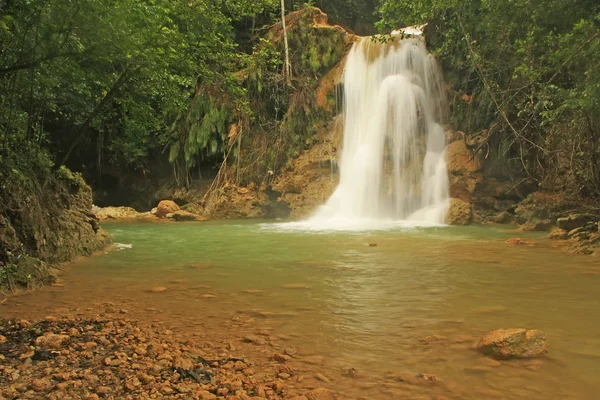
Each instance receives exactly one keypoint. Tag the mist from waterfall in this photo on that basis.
(392, 165)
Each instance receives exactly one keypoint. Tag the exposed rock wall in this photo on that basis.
(46, 221)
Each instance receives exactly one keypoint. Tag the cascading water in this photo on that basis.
(392, 165)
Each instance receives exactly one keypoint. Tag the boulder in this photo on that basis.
(514, 343)
(459, 213)
(182, 215)
(166, 207)
(575, 221)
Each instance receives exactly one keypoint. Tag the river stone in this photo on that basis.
(166, 207)
(575, 221)
(514, 343)
(51, 341)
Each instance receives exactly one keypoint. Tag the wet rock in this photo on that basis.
(320, 394)
(575, 221)
(316, 360)
(182, 216)
(536, 226)
(558, 234)
(166, 207)
(281, 358)
(322, 377)
(51, 341)
(460, 160)
(183, 363)
(41, 384)
(514, 343)
(74, 332)
(459, 213)
(426, 377)
(504, 218)
(254, 339)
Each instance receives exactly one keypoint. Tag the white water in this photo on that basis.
(392, 166)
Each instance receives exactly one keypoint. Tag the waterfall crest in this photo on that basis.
(392, 165)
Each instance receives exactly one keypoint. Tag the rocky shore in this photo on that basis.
(93, 358)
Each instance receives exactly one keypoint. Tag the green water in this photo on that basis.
(365, 306)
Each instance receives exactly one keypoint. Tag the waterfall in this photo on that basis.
(392, 165)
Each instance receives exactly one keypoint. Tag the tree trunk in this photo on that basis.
(287, 69)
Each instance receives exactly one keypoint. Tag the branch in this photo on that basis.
(35, 63)
(111, 93)
(488, 88)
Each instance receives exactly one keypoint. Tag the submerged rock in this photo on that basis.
(459, 213)
(166, 207)
(320, 394)
(514, 343)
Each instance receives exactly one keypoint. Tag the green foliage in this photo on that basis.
(111, 77)
(529, 69)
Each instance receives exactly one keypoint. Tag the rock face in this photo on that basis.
(514, 343)
(166, 207)
(575, 221)
(48, 226)
(459, 213)
(460, 160)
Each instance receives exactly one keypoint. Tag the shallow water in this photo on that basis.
(364, 300)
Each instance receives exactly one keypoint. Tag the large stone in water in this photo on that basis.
(514, 343)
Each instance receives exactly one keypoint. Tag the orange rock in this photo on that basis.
(459, 213)
(460, 160)
(166, 207)
(514, 343)
(320, 394)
